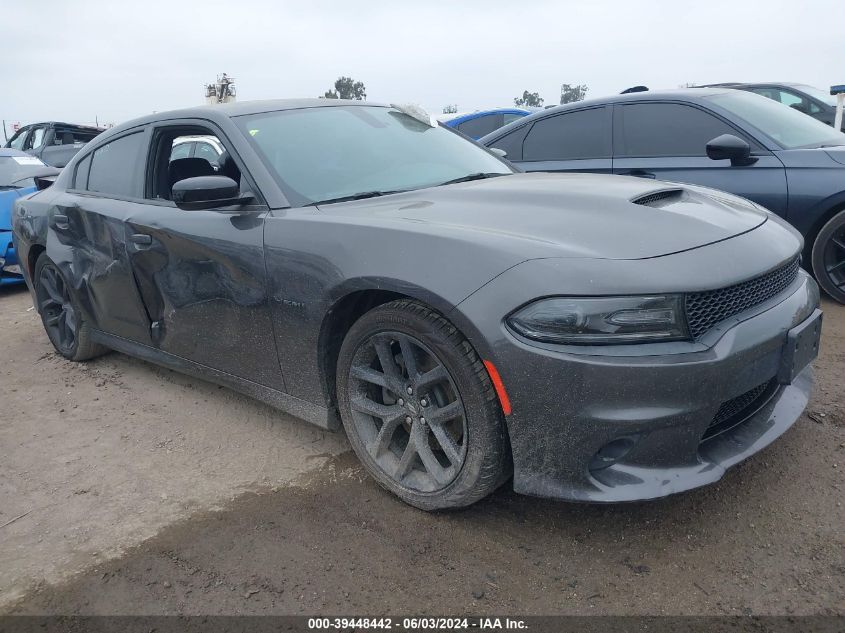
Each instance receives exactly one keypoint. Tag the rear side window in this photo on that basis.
(114, 167)
(666, 129)
(479, 126)
(570, 136)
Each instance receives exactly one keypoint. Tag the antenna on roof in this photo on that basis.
(628, 91)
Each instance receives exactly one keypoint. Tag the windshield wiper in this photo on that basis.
(477, 176)
(354, 196)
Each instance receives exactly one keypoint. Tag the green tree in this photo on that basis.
(347, 88)
(571, 94)
(530, 99)
(450, 108)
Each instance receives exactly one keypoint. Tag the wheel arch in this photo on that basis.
(830, 208)
(358, 297)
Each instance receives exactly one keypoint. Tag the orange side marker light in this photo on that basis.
(499, 386)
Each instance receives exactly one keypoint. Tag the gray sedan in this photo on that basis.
(600, 338)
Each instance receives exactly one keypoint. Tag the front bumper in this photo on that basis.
(633, 425)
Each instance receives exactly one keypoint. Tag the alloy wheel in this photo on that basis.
(407, 411)
(834, 258)
(56, 307)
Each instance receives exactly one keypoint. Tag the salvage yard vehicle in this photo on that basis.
(481, 122)
(608, 338)
(18, 173)
(817, 103)
(728, 139)
(52, 142)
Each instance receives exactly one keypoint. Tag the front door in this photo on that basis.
(201, 273)
(668, 141)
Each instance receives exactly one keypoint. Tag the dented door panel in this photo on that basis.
(202, 279)
(85, 238)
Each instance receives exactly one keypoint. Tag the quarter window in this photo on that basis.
(667, 129)
(114, 166)
(571, 136)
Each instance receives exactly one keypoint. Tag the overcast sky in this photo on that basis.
(114, 60)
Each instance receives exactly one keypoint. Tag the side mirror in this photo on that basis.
(730, 147)
(799, 106)
(498, 152)
(207, 192)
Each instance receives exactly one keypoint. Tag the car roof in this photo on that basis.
(682, 94)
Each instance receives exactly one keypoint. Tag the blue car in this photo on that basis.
(18, 171)
(736, 141)
(477, 124)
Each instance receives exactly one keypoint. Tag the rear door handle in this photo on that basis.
(60, 222)
(141, 239)
(640, 173)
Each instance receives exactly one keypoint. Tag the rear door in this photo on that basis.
(667, 141)
(86, 234)
(201, 273)
(573, 141)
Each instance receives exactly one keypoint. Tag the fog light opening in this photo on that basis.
(612, 452)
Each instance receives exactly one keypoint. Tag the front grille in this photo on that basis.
(706, 309)
(737, 410)
(652, 199)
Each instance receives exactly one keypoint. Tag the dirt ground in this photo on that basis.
(145, 492)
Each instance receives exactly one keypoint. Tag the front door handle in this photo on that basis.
(141, 239)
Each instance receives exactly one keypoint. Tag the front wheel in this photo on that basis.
(419, 408)
(829, 257)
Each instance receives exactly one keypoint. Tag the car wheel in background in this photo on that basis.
(419, 408)
(829, 257)
(62, 319)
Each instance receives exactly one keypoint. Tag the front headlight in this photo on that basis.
(602, 320)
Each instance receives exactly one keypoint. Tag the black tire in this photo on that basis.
(828, 257)
(471, 446)
(66, 328)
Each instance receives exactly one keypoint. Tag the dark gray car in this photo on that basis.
(610, 338)
(751, 146)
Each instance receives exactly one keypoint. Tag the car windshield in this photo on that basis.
(14, 169)
(328, 153)
(790, 128)
(821, 95)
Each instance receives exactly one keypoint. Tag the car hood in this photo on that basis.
(573, 215)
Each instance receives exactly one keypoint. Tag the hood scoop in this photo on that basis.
(660, 198)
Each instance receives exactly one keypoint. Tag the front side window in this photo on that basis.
(788, 127)
(18, 139)
(324, 153)
(572, 136)
(667, 129)
(182, 152)
(114, 166)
